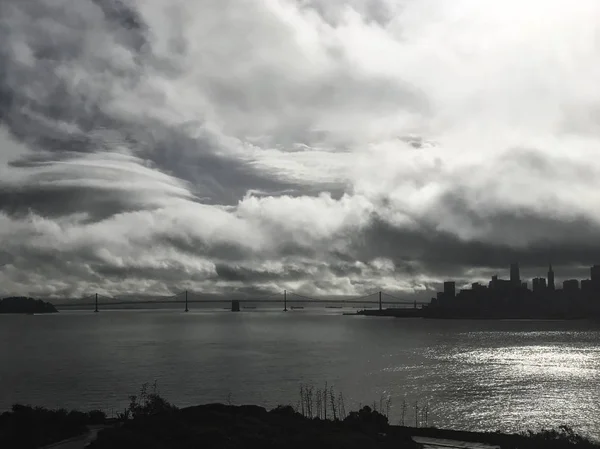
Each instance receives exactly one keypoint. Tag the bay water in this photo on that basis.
(471, 375)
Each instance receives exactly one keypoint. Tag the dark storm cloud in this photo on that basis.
(241, 274)
(442, 255)
(47, 39)
(217, 179)
(124, 17)
(56, 202)
(173, 274)
(62, 120)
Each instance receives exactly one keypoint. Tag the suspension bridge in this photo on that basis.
(186, 299)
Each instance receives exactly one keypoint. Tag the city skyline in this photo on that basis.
(540, 282)
(323, 147)
(553, 279)
(515, 298)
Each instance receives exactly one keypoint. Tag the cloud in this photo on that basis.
(323, 147)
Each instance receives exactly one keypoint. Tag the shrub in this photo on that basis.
(96, 417)
(367, 420)
(285, 410)
(26, 427)
(148, 403)
(563, 436)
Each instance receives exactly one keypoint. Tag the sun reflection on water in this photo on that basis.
(530, 385)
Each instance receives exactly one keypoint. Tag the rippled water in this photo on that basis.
(476, 375)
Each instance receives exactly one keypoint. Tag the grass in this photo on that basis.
(326, 403)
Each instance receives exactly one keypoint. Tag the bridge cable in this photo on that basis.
(262, 298)
(358, 298)
(305, 297)
(397, 298)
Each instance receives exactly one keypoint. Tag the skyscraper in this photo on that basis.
(449, 289)
(515, 276)
(571, 286)
(550, 277)
(595, 275)
(539, 285)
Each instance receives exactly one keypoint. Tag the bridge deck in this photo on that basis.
(221, 301)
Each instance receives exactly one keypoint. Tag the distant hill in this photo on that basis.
(25, 305)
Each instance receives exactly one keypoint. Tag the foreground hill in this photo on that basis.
(153, 423)
(229, 427)
(25, 305)
(217, 426)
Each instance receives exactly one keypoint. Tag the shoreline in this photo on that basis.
(424, 314)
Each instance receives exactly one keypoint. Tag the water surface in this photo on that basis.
(475, 375)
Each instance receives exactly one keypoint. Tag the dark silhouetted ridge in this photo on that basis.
(239, 427)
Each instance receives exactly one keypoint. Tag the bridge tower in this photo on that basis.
(96, 309)
(380, 305)
(285, 301)
(186, 301)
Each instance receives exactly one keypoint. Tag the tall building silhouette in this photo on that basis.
(515, 276)
(570, 285)
(586, 286)
(449, 289)
(550, 278)
(595, 275)
(539, 285)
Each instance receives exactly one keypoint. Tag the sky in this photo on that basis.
(325, 147)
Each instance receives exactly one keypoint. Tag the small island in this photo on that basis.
(25, 305)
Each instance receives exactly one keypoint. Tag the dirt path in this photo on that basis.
(77, 442)
(438, 443)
